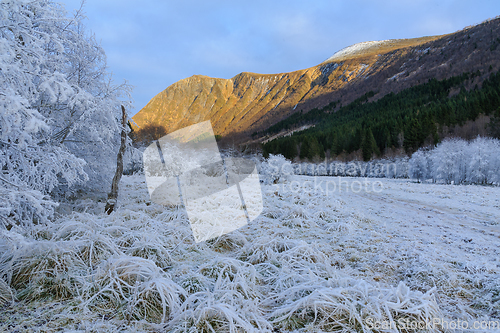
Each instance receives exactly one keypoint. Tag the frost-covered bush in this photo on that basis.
(275, 169)
(459, 162)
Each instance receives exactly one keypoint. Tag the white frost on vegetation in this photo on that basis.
(456, 161)
(59, 110)
(275, 169)
(311, 262)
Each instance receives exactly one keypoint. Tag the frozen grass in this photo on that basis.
(348, 306)
(309, 263)
(5, 293)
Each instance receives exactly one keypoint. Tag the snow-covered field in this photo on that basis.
(352, 258)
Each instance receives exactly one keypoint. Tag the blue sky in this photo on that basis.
(153, 44)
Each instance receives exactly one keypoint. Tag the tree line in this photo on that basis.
(408, 119)
(456, 161)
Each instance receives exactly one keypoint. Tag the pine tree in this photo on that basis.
(387, 138)
(304, 148)
(289, 148)
(368, 145)
(412, 136)
(314, 148)
(335, 148)
(494, 125)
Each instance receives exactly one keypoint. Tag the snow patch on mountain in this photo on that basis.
(355, 49)
(396, 76)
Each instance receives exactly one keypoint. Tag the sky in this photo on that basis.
(154, 43)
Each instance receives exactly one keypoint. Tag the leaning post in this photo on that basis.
(113, 195)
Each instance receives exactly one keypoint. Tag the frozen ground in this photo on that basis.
(349, 259)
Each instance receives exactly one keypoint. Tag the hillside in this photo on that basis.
(250, 102)
(418, 116)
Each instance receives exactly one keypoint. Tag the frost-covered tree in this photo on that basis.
(275, 169)
(420, 165)
(59, 112)
(449, 161)
(483, 167)
(459, 161)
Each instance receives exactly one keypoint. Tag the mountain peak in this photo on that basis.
(355, 49)
(371, 48)
(251, 102)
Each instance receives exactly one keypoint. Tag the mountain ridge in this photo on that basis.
(251, 102)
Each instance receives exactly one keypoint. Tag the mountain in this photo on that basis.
(250, 103)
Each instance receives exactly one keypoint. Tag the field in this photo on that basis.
(327, 254)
